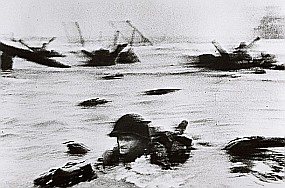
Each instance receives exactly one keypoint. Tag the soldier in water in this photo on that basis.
(132, 140)
(135, 138)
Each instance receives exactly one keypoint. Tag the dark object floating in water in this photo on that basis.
(206, 144)
(279, 67)
(66, 176)
(249, 145)
(259, 71)
(93, 102)
(160, 91)
(235, 76)
(76, 148)
(113, 76)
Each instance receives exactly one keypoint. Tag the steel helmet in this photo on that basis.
(133, 124)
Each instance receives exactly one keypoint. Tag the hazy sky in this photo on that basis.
(217, 18)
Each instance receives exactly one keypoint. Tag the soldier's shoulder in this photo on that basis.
(110, 157)
(168, 137)
(169, 148)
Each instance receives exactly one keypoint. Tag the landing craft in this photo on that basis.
(9, 52)
(104, 57)
(238, 59)
(100, 57)
(43, 49)
(122, 52)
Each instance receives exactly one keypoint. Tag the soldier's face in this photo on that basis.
(127, 143)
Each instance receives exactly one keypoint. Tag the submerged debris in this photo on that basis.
(259, 71)
(76, 148)
(93, 102)
(113, 76)
(160, 91)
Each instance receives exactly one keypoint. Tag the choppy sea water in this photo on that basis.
(39, 112)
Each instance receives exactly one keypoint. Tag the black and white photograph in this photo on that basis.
(142, 93)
